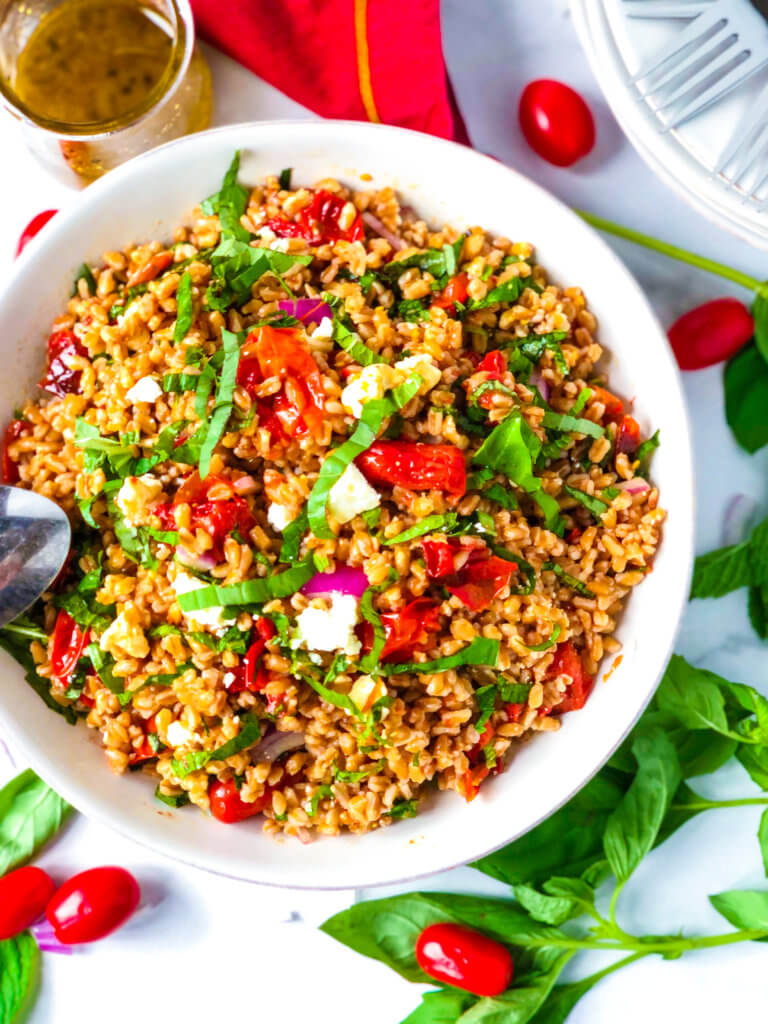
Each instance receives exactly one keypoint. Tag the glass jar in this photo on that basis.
(179, 103)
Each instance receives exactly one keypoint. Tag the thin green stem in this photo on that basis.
(707, 805)
(671, 945)
(673, 251)
(624, 962)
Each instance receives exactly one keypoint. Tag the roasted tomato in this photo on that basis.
(150, 270)
(567, 662)
(614, 407)
(251, 674)
(67, 646)
(60, 378)
(320, 222)
(627, 436)
(455, 291)
(469, 571)
(415, 466)
(410, 629)
(214, 507)
(13, 431)
(298, 408)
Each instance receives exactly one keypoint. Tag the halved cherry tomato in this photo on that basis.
(614, 407)
(93, 904)
(299, 407)
(514, 711)
(318, 223)
(468, 571)
(408, 630)
(628, 435)
(567, 661)
(556, 122)
(250, 674)
(150, 270)
(67, 645)
(485, 738)
(229, 808)
(13, 431)
(472, 779)
(710, 333)
(416, 466)
(60, 379)
(455, 291)
(37, 223)
(24, 894)
(494, 363)
(460, 956)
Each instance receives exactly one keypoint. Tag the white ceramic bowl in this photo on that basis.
(147, 198)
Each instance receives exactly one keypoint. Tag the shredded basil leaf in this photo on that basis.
(570, 581)
(292, 537)
(103, 664)
(223, 402)
(369, 662)
(481, 651)
(571, 424)
(343, 776)
(581, 400)
(595, 505)
(250, 732)
(403, 809)
(430, 524)
(283, 584)
(354, 345)
(284, 179)
(373, 415)
(84, 273)
(549, 642)
(647, 448)
(172, 799)
(178, 383)
(229, 202)
(185, 311)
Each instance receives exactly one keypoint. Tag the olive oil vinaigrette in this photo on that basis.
(91, 62)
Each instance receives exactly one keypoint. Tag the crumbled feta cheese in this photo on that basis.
(136, 495)
(371, 383)
(145, 390)
(318, 629)
(229, 678)
(366, 691)
(124, 638)
(213, 619)
(421, 364)
(178, 735)
(278, 516)
(351, 495)
(266, 234)
(280, 244)
(324, 329)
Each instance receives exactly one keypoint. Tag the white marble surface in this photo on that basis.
(212, 949)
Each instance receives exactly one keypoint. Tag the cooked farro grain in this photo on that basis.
(307, 448)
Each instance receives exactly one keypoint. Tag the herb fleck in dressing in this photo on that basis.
(89, 62)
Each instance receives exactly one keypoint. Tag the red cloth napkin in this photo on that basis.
(362, 60)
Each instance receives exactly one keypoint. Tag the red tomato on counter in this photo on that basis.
(556, 122)
(460, 956)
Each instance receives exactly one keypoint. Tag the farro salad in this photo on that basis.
(354, 513)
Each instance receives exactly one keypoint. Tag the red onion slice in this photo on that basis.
(634, 486)
(738, 518)
(306, 310)
(277, 743)
(203, 562)
(344, 580)
(45, 937)
(375, 224)
(538, 381)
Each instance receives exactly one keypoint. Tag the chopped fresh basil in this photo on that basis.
(595, 505)
(229, 203)
(284, 179)
(571, 424)
(511, 448)
(259, 591)
(369, 662)
(161, 679)
(320, 794)
(440, 263)
(549, 642)
(118, 453)
(513, 693)
(647, 448)
(237, 266)
(103, 664)
(185, 310)
(250, 732)
(18, 648)
(534, 347)
(372, 517)
(292, 537)
(354, 345)
(84, 273)
(373, 415)
(86, 612)
(23, 626)
(481, 651)
(509, 291)
(343, 776)
(581, 400)
(412, 310)
(570, 581)
(403, 809)
(222, 407)
(430, 524)
(502, 496)
(489, 386)
(178, 383)
(172, 799)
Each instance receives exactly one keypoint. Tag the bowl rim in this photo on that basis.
(96, 807)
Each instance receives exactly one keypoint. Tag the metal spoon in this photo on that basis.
(34, 543)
